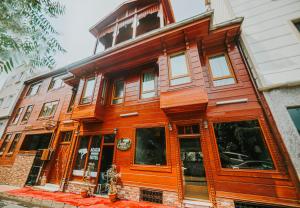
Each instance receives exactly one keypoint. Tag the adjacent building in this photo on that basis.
(170, 103)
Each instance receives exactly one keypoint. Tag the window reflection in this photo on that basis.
(241, 146)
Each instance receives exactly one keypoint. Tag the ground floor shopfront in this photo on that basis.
(215, 158)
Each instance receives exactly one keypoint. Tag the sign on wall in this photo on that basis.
(124, 144)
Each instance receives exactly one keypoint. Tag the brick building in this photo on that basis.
(170, 103)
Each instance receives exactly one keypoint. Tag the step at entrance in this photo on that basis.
(189, 203)
(48, 187)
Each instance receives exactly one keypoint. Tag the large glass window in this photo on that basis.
(118, 92)
(27, 113)
(150, 146)
(179, 73)
(221, 70)
(4, 144)
(295, 115)
(241, 145)
(17, 116)
(36, 142)
(88, 91)
(34, 89)
(14, 143)
(56, 82)
(87, 156)
(148, 87)
(48, 109)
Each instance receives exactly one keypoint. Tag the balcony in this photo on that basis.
(183, 100)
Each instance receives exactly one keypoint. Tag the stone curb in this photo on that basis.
(37, 202)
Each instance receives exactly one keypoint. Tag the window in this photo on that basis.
(195, 7)
(241, 145)
(48, 109)
(27, 113)
(150, 146)
(4, 144)
(103, 92)
(118, 92)
(88, 91)
(89, 147)
(297, 24)
(190, 129)
(72, 101)
(8, 101)
(56, 82)
(179, 73)
(14, 143)
(1, 102)
(17, 116)
(295, 115)
(36, 142)
(221, 71)
(34, 89)
(148, 88)
(66, 136)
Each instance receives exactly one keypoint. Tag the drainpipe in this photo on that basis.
(271, 122)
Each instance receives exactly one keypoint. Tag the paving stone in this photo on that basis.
(47, 203)
(58, 204)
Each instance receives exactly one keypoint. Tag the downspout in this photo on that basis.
(271, 122)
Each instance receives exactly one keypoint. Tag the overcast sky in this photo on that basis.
(82, 14)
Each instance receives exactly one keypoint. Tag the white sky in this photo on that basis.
(82, 14)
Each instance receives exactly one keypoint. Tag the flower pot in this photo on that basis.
(84, 193)
(112, 197)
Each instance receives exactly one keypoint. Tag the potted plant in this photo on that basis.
(86, 191)
(112, 178)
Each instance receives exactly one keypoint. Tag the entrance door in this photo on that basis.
(194, 179)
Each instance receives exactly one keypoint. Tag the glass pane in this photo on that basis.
(94, 155)
(27, 113)
(109, 138)
(148, 82)
(178, 65)
(194, 7)
(219, 67)
(241, 146)
(295, 115)
(89, 88)
(14, 143)
(179, 81)
(4, 144)
(148, 95)
(119, 89)
(82, 153)
(150, 146)
(223, 82)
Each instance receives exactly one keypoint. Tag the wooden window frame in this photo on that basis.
(113, 92)
(151, 168)
(8, 153)
(17, 116)
(23, 121)
(42, 117)
(84, 90)
(30, 87)
(229, 65)
(65, 142)
(72, 102)
(9, 141)
(155, 84)
(243, 172)
(62, 85)
(187, 66)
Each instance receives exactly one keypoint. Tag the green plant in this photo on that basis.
(26, 33)
(112, 177)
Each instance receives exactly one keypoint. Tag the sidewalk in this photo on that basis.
(67, 200)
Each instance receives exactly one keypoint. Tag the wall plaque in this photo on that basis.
(124, 144)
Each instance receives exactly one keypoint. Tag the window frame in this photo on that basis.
(25, 121)
(151, 168)
(72, 101)
(266, 140)
(30, 87)
(103, 92)
(42, 117)
(84, 90)
(185, 53)
(9, 153)
(155, 84)
(113, 92)
(17, 116)
(52, 80)
(6, 145)
(229, 65)
(61, 140)
(292, 120)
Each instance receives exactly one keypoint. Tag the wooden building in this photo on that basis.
(171, 104)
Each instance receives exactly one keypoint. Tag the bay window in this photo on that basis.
(179, 72)
(221, 70)
(118, 92)
(148, 84)
(88, 91)
(150, 146)
(241, 145)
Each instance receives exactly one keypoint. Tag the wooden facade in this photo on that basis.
(196, 102)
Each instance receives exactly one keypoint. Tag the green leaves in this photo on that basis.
(26, 33)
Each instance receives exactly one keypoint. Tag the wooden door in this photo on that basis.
(59, 164)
